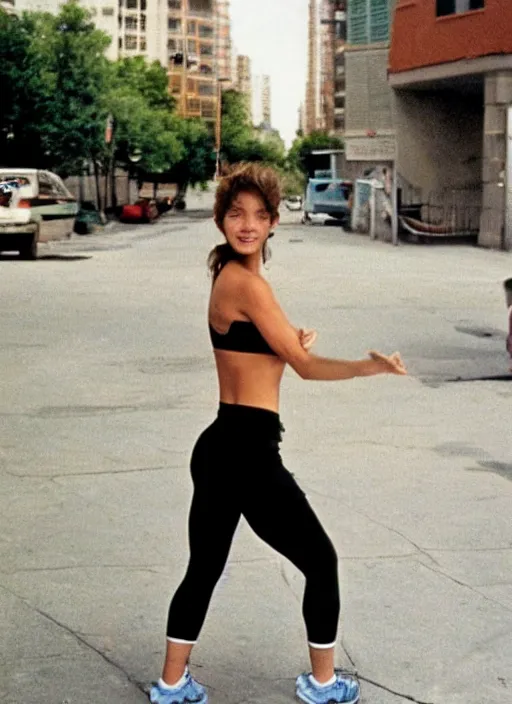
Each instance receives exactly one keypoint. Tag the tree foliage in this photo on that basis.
(299, 156)
(240, 140)
(54, 73)
(59, 91)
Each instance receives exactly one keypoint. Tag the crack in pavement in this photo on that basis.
(407, 697)
(339, 501)
(154, 569)
(139, 685)
(440, 572)
(90, 473)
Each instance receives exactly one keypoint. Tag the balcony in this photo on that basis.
(201, 8)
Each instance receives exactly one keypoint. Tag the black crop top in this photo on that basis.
(242, 336)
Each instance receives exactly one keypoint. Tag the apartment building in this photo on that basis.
(333, 29)
(244, 80)
(192, 52)
(224, 44)
(312, 119)
(262, 99)
(450, 67)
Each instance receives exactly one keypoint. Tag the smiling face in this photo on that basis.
(247, 224)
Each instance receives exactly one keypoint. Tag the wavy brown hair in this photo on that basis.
(243, 178)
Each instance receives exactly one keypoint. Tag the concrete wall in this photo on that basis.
(420, 39)
(498, 96)
(439, 139)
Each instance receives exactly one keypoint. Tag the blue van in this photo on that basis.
(328, 196)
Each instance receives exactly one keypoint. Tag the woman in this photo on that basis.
(236, 466)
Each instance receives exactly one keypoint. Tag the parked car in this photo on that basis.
(35, 206)
(328, 196)
(143, 211)
(293, 202)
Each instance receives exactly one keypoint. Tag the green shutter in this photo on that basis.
(379, 21)
(358, 22)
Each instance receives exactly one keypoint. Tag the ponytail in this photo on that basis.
(219, 257)
(224, 253)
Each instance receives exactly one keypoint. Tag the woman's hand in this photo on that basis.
(388, 365)
(307, 338)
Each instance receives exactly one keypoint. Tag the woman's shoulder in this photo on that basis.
(235, 274)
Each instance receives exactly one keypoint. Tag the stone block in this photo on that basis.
(495, 118)
(491, 227)
(504, 88)
(493, 198)
(490, 89)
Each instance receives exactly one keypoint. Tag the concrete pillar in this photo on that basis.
(498, 96)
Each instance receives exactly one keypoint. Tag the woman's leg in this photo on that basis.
(279, 513)
(213, 519)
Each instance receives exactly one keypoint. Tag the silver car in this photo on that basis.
(35, 206)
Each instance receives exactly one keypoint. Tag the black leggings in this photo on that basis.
(237, 471)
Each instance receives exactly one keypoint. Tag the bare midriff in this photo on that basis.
(249, 379)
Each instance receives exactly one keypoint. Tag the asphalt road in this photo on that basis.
(107, 379)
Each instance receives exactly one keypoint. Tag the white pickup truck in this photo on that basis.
(35, 206)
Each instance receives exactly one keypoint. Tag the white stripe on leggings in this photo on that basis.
(322, 647)
(183, 642)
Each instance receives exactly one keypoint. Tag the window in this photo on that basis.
(175, 85)
(174, 25)
(143, 44)
(45, 185)
(191, 28)
(107, 11)
(143, 23)
(206, 50)
(175, 46)
(130, 42)
(206, 89)
(194, 106)
(368, 21)
(143, 5)
(452, 7)
(207, 109)
(205, 31)
(130, 23)
(174, 4)
(206, 69)
(131, 4)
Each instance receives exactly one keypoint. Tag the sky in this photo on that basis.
(274, 34)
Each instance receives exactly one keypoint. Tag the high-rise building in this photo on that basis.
(266, 100)
(192, 51)
(191, 38)
(325, 88)
(312, 85)
(224, 43)
(244, 81)
(136, 27)
(333, 24)
(261, 101)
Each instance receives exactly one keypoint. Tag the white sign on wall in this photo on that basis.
(370, 148)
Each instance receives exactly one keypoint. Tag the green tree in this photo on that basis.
(240, 140)
(55, 74)
(300, 155)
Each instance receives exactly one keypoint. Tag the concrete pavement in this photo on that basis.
(108, 379)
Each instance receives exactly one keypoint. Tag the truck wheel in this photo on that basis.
(28, 250)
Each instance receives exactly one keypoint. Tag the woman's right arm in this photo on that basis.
(258, 303)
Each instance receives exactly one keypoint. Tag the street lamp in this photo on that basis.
(218, 126)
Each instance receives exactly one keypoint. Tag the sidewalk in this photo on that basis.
(108, 380)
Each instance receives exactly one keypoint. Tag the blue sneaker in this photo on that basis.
(190, 693)
(345, 690)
